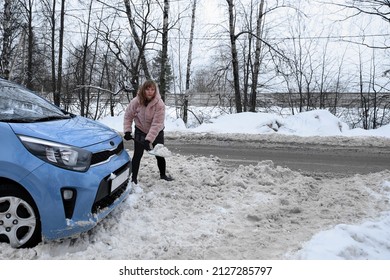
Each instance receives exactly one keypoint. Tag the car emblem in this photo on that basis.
(112, 143)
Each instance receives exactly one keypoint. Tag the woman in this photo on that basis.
(147, 110)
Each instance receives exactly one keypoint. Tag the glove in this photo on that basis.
(128, 136)
(147, 145)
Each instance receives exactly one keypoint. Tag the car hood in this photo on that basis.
(77, 131)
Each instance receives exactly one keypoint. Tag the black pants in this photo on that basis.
(139, 138)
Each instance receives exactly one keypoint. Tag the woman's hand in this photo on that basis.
(147, 145)
(128, 136)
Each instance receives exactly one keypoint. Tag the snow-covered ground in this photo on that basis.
(263, 211)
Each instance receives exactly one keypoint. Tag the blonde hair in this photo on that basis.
(142, 91)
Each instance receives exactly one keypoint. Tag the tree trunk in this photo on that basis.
(189, 61)
(53, 52)
(248, 68)
(7, 32)
(83, 103)
(30, 50)
(236, 76)
(164, 54)
(189, 58)
(256, 65)
(138, 42)
(57, 99)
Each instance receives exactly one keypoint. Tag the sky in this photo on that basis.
(214, 212)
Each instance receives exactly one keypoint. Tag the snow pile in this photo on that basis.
(261, 123)
(211, 211)
(314, 123)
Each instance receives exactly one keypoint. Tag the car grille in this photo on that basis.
(105, 155)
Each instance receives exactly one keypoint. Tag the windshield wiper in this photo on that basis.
(50, 118)
(32, 120)
(20, 120)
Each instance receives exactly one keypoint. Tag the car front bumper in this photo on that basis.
(92, 199)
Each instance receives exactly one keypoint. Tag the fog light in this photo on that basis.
(67, 194)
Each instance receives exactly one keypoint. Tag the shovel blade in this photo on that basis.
(160, 151)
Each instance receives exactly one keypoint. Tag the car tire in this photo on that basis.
(20, 224)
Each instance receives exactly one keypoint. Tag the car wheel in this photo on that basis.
(20, 224)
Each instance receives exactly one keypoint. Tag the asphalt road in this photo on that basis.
(314, 159)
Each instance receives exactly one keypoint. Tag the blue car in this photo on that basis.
(60, 174)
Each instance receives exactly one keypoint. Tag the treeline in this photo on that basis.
(89, 55)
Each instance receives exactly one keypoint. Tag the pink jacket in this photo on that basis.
(149, 119)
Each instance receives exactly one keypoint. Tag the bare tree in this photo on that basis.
(252, 59)
(5, 58)
(234, 53)
(372, 99)
(251, 48)
(132, 53)
(49, 10)
(338, 87)
(58, 92)
(257, 61)
(125, 54)
(304, 71)
(83, 91)
(375, 9)
(27, 7)
(189, 61)
(140, 40)
(164, 52)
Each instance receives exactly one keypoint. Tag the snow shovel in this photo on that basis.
(159, 150)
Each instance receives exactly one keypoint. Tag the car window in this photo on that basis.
(18, 104)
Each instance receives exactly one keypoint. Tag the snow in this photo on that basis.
(263, 211)
(161, 151)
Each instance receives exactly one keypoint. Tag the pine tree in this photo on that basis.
(156, 69)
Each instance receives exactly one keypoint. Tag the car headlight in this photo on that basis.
(60, 155)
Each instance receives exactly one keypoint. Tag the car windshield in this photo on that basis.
(18, 104)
